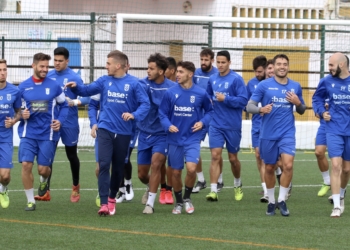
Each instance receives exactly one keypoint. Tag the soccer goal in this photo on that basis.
(307, 42)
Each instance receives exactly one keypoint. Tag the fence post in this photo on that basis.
(92, 45)
(322, 52)
(3, 47)
(210, 35)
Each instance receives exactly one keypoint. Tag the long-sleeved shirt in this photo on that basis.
(337, 90)
(228, 114)
(46, 102)
(10, 99)
(183, 108)
(118, 96)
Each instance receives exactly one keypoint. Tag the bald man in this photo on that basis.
(336, 88)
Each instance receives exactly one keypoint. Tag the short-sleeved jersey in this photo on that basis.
(151, 124)
(10, 99)
(46, 102)
(63, 77)
(228, 114)
(280, 121)
(337, 90)
(117, 96)
(201, 78)
(256, 118)
(183, 108)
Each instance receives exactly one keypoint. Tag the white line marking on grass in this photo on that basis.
(202, 161)
(143, 189)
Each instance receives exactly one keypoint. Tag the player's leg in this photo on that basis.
(323, 165)
(97, 171)
(6, 164)
(105, 152)
(192, 154)
(176, 157)
(261, 168)
(345, 174)
(201, 183)
(126, 182)
(169, 187)
(120, 150)
(336, 145)
(158, 160)
(45, 158)
(27, 151)
(269, 154)
(320, 152)
(162, 184)
(144, 157)
(233, 140)
(216, 142)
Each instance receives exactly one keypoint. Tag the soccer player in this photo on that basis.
(201, 78)
(259, 67)
(122, 100)
(10, 113)
(170, 72)
(270, 72)
(45, 110)
(152, 147)
(277, 95)
(229, 96)
(335, 87)
(184, 111)
(69, 131)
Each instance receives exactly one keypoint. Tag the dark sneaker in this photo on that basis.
(43, 187)
(199, 186)
(30, 206)
(220, 186)
(271, 207)
(282, 206)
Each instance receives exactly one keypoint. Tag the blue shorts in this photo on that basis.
(148, 145)
(204, 133)
(321, 136)
(96, 149)
(178, 155)
(69, 136)
(255, 138)
(218, 137)
(270, 150)
(338, 146)
(134, 139)
(43, 150)
(6, 151)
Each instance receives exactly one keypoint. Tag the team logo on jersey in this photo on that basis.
(47, 91)
(348, 87)
(254, 86)
(333, 85)
(226, 85)
(342, 88)
(214, 82)
(126, 87)
(65, 80)
(110, 83)
(192, 99)
(176, 95)
(197, 80)
(8, 97)
(292, 90)
(1, 97)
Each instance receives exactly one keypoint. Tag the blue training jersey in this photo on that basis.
(228, 114)
(46, 102)
(10, 99)
(118, 96)
(256, 118)
(280, 121)
(201, 78)
(337, 90)
(183, 108)
(151, 124)
(63, 77)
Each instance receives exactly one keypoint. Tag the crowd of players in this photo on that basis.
(170, 112)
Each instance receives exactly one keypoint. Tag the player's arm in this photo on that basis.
(63, 110)
(144, 104)
(93, 108)
(319, 98)
(240, 99)
(164, 113)
(87, 89)
(10, 121)
(208, 110)
(253, 103)
(210, 89)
